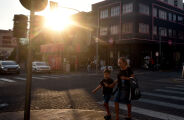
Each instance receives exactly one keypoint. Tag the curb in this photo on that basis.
(55, 114)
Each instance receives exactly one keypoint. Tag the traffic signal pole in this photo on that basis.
(29, 71)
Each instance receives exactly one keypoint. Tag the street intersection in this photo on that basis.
(162, 94)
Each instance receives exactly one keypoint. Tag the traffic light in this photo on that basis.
(37, 25)
(20, 26)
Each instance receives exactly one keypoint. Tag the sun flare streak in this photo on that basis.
(58, 20)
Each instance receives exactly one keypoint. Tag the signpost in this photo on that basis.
(33, 6)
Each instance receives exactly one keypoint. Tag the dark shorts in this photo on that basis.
(123, 96)
(107, 98)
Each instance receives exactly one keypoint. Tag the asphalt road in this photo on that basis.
(162, 93)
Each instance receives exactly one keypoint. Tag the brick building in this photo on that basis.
(139, 28)
(7, 43)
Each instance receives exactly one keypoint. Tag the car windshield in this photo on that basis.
(41, 64)
(9, 63)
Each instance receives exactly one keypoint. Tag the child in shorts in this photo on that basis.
(107, 91)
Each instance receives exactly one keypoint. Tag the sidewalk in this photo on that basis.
(56, 114)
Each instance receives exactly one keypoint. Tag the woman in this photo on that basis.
(122, 94)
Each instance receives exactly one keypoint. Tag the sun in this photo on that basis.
(58, 19)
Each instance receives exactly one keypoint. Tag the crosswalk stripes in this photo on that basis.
(159, 114)
(163, 96)
(54, 77)
(160, 103)
(180, 86)
(23, 78)
(6, 80)
(3, 105)
(38, 78)
(175, 88)
(169, 91)
(147, 112)
(20, 78)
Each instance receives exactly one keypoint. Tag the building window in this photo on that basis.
(7, 37)
(174, 33)
(103, 31)
(174, 17)
(181, 35)
(154, 12)
(162, 15)
(114, 29)
(176, 3)
(155, 30)
(163, 31)
(143, 28)
(180, 19)
(104, 13)
(170, 16)
(170, 33)
(7, 42)
(127, 28)
(127, 8)
(115, 11)
(144, 9)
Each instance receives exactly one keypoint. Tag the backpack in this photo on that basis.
(135, 91)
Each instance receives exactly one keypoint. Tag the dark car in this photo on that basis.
(9, 67)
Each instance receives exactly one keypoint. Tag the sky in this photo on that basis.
(10, 7)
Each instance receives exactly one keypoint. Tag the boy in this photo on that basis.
(107, 91)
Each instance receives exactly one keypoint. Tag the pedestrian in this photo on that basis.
(107, 91)
(123, 91)
(88, 67)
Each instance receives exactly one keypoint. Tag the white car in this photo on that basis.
(39, 67)
(104, 67)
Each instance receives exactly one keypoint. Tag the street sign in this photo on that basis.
(38, 5)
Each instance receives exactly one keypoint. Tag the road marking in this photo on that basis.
(7, 80)
(38, 78)
(20, 78)
(165, 104)
(49, 77)
(170, 91)
(147, 112)
(163, 96)
(3, 105)
(56, 75)
(180, 86)
(175, 88)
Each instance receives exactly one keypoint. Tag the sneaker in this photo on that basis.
(107, 117)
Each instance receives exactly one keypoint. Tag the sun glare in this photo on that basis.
(58, 19)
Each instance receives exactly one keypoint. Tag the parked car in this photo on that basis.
(40, 67)
(9, 67)
(104, 67)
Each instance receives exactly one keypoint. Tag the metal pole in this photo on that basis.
(160, 46)
(29, 71)
(97, 41)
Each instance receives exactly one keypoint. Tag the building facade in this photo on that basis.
(139, 28)
(7, 43)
